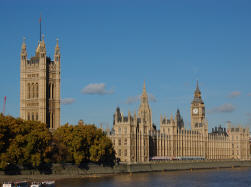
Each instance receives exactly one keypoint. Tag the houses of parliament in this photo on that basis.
(135, 138)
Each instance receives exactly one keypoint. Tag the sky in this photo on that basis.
(109, 48)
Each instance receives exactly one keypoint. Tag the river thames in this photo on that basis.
(240, 177)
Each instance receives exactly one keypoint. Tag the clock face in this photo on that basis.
(195, 110)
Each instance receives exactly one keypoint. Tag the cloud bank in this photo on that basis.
(96, 89)
(234, 94)
(226, 108)
(67, 101)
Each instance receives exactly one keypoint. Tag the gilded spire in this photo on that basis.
(197, 94)
(197, 87)
(144, 89)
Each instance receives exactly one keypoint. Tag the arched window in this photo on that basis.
(28, 116)
(29, 91)
(37, 116)
(36, 90)
(32, 117)
(52, 91)
(33, 90)
(49, 94)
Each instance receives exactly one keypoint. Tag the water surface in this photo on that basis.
(240, 177)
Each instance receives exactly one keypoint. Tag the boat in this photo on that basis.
(8, 184)
(48, 184)
(36, 184)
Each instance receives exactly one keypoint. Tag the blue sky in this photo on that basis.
(110, 47)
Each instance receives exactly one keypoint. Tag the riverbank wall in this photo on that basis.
(93, 169)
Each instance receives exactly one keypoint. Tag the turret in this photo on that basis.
(23, 50)
(57, 54)
(23, 62)
(57, 89)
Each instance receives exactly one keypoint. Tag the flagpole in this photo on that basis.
(40, 27)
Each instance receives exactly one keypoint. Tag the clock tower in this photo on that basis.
(197, 109)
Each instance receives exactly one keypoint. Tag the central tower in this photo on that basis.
(144, 111)
(197, 109)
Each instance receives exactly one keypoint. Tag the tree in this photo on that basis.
(26, 143)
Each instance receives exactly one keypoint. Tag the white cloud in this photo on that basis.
(135, 99)
(234, 94)
(67, 101)
(96, 88)
(226, 108)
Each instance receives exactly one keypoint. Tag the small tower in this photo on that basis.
(23, 90)
(57, 85)
(197, 109)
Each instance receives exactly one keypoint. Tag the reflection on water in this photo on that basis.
(240, 177)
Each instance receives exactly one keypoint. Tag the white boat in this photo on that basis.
(8, 184)
(36, 184)
(48, 183)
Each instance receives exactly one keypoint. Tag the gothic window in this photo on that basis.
(119, 130)
(33, 90)
(37, 90)
(125, 152)
(119, 143)
(37, 116)
(32, 117)
(119, 152)
(28, 116)
(125, 141)
(52, 91)
(49, 91)
(29, 91)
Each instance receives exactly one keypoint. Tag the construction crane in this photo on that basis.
(4, 104)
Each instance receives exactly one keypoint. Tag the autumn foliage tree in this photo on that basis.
(26, 143)
(85, 143)
(31, 144)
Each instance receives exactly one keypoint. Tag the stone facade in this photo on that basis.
(136, 139)
(40, 86)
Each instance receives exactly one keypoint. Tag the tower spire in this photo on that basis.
(144, 88)
(197, 86)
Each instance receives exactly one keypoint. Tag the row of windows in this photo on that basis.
(119, 141)
(120, 130)
(33, 90)
(125, 152)
(32, 116)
